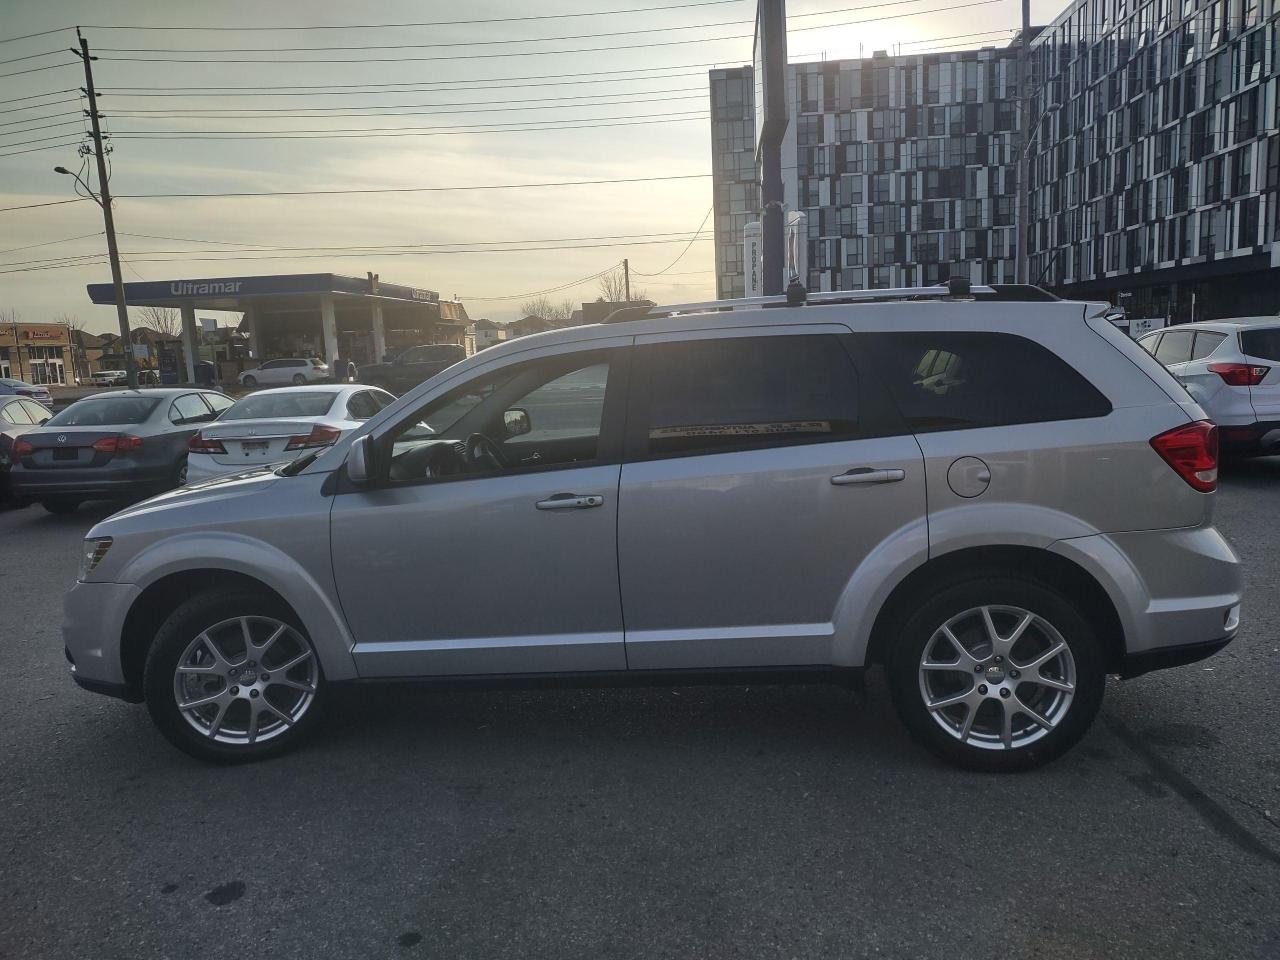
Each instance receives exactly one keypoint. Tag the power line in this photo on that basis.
(29, 36)
(49, 243)
(539, 293)
(51, 146)
(503, 42)
(695, 236)
(425, 23)
(49, 116)
(366, 190)
(410, 131)
(31, 56)
(539, 53)
(675, 235)
(184, 111)
(50, 203)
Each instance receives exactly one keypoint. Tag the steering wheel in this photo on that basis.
(484, 453)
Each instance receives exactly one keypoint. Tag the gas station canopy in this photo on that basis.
(288, 314)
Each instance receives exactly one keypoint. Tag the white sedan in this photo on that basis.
(295, 370)
(276, 426)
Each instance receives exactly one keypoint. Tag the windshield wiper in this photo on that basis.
(297, 466)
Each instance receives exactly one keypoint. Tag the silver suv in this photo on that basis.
(994, 494)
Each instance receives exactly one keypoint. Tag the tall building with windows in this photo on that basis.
(905, 166)
(1155, 157)
(736, 194)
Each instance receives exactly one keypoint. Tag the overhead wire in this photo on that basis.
(691, 242)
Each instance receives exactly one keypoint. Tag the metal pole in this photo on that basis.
(773, 33)
(104, 194)
(626, 278)
(1022, 203)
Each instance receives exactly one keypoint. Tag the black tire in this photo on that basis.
(249, 380)
(180, 473)
(189, 621)
(299, 379)
(60, 505)
(998, 588)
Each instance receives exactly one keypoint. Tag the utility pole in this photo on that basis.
(770, 73)
(104, 201)
(626, 278)
(1022, 202)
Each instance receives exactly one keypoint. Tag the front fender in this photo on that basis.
(314, 602)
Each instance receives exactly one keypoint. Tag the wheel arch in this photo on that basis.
(1051, 569)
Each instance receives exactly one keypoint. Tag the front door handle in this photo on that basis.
(869, 475)
(571, 501)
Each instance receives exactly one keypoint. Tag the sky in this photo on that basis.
(627, 124)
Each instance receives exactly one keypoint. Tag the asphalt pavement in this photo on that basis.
(726, 822)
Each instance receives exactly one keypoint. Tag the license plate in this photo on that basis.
(65, 454)
(254, 446)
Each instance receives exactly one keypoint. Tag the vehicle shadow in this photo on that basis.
(1252, 472)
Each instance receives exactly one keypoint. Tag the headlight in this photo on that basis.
(95, 548)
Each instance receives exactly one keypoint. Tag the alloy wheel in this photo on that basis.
(246, 680)
(997, 677)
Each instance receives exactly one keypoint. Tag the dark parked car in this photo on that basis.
(412, 367)
(18, 415)
(120, 445)
(10, 387)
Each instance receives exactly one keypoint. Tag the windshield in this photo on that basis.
(275, 406)
(107, 411)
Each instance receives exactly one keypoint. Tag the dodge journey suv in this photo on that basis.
(992, 493)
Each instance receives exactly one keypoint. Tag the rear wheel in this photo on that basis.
(997, 674)
(60, 505)
(232, 676)
(249, 380)
(299, 379)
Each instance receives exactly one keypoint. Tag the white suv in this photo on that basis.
(293, 370)
(1232, 369)
(995, 494)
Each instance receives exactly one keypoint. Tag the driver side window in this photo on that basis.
(535, 415)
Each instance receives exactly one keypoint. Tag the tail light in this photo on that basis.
(123, 443)
(1239, 374)
(318, 437)
(23, 449)
(1192, 451)
(202, 444)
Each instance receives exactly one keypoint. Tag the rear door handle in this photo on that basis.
(571, 501)
(869, 475)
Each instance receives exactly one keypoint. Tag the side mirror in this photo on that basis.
(359, 460)
(516, 422)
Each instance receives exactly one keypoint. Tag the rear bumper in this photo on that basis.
(1162, 658)
(102, 482)
(1259, 438)
(1170, 588)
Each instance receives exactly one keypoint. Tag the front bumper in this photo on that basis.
(93, 617)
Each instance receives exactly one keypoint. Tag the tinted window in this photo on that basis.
(290, 403)
(272, 365)
(14, 413)
(955, 381)
(382, 398)
(1175, 347)
(108, 411)
(433, 353)
(1264, 344)
(1206, 343)
(718, 394)
(361, 406)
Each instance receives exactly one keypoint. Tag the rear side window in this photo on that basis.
(107, 412)
(957, 381)
(361, 406)
(1206, 342)
(188, 408)
(1264, 344)
(15, 413)
(218, 401)
(1175, 347)
(1150, 343)
(708, 396)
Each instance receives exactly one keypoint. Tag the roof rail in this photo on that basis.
(956, 289)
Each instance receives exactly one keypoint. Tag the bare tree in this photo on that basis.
(163, 320)
(613, 288)
(547, 309)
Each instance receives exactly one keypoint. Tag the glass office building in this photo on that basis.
(735, 190)
(1154, 156)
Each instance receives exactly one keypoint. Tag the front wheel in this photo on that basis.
(299, 379)
(249, 381)
(997, 674)
(60, 506)
(232, 676)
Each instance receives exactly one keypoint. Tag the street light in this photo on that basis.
(103, 200)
